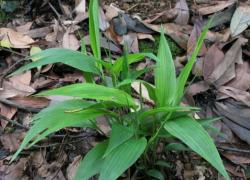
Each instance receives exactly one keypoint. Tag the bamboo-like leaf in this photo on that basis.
(93, 91)
(57, 117)
(92, 162)
(66, 56)
(119, 135)
(167, 109)
(94, 33)
(165, 77)
(132, 58)
(121, 158)
(194, 136)
(182, 79)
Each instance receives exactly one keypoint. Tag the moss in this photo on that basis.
(150, 46)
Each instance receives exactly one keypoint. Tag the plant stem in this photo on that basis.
(153, 138)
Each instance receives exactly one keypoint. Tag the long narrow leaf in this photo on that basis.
(119, 135)
(165, 77)
(166, 109)
(122, 158)
(92, 162)
(193, 135)
(132, 58)
(93, 91)
(57, 117)
(66, 56)
(94, 33)
(182, 79)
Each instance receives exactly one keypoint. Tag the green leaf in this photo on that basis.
(167, 109)
(94, 33)
(92, 162)
(119, 135)
(56, 117)
(122, 158)
(194, 136)
(132, 58)
(155, 174)
(165, 77)
(93, 91)
(66, 56)
(182, 79)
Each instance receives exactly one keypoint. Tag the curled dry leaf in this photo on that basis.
(145, 36)
(15, 171)
(214, 56)
(240, 20)
(105, 44)
(31, 101)
(180, 34)
(163, 17)
(72, 168)
(194, 37)
(197, 88)
(183, 12)
(12, 141)
(103, 21)
(144, 91)
(70, 41)
(242, 78)
(16, 39)
(237, 94)
(111, 11)
(225, 70)
(237, 157)
(236, 116)
(213, 8)
(11, 89)
(131, 41)
(81, 7)
(7, 112)
(24, 28)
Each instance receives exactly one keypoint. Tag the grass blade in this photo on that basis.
(194, 136)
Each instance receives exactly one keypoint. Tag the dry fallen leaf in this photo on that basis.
(225, 70)
(81, 6)
(8, 112)
(16, 39)
(183, 12)
(31, 101)
(72, 168)
(11, 89)
(240, 20)
(15, 171)
(192, 41)
(213, 8)
(179, 33)
(11, 141)
(70, 41)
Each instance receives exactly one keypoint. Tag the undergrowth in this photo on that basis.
(136, 128)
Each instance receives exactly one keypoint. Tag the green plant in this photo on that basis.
(135, 129)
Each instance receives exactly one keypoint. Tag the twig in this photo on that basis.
(13, 122)
(19, 106)
(11, 51)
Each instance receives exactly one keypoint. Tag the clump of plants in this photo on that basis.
(136, 129)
